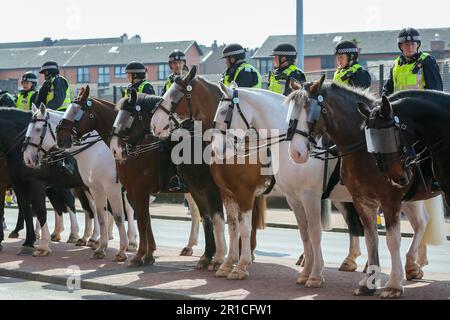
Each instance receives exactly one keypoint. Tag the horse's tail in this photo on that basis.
(325, 214)
(435, 234)
(259, 213)
(355, 227)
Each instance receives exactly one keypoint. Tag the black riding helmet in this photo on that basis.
(234, 50)
(285, 50)
(348, 48)
(408, 35)
(30, 77)
(177, 55)
(136, 69)
(49, 68)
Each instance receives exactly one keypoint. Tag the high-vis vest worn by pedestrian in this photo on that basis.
(409, 76)
(24, 102)
(343, 76)
(279, 86)
(51, 95)
(248, 68)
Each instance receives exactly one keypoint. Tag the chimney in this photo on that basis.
(437, 44)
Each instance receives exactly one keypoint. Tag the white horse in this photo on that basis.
(98, 171)
(430, 212)
(302, 184)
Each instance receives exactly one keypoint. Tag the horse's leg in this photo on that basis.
(38, 203)
(100, 203)
(37, 229)
(147, 244)
(210, 245)
(367, 210)
(311, 203)
(110, 217)
(93, 241)
(70, 205)
(302, 223)
(240, 272)
(23, 201)
(419, 220)
(219, 237)
(195, 225)
(115, 199)
(59, 227)
(19, 224)
(131, 232)
(349, 264)
(233, 230)
(393, 288)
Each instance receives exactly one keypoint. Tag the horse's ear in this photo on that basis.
(295, 85)
(85, 93)
(364, 110)
(34, 108)
(225, 90)
(42, 108)
(317, 86)
(386, 108)
(133, 97)
(192, 73)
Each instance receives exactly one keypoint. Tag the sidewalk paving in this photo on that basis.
(174, 277)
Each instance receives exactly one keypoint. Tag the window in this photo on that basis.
(83, 75)
(103, 76)
(119, 72)
(265, 66)
(163, 71)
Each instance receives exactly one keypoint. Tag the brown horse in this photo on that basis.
(241, 185)
(143, 175)
(320, 108)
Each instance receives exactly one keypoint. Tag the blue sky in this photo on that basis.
(246, 21)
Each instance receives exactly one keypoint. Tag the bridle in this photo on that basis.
(171, 108)
(85, 106)
(45, 127)
(234, 104)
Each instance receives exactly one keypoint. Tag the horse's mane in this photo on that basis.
(210, 85)
(146, 101)
(349, 93)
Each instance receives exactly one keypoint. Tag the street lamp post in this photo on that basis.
(300, 35)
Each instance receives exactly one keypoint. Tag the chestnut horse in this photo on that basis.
(241, 185)
(319, 108)
(143, 175)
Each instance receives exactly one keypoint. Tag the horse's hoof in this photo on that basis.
(13, 235)
(41, 253)
(187, 252)
(348, 266)
(98, 255)
(203, 264)
(148, 260)
(315, 283)
(120, 257)
(414, 274)
(223, 271)
(132, 247)
(94, 245)
(391, 293)
(55, 238)
(237, 274)
(214, 266)
(25, 251)
(135, 262)
(302, 280)
(301, 260)
(364, 292)
(73, 238)
(253, 258)
(81, 243)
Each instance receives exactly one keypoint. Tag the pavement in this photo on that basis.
(174, 277)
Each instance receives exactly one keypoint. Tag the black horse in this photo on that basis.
(418, 123)
(30, 185)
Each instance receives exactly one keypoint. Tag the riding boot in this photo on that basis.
(175, 184)
(435, 186)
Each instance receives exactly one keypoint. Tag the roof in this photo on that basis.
(375, 42)
(91, 54)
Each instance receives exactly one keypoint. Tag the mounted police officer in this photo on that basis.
(136, 76)
(7, 99)
(413, 69)
(285, 69)
(238, 70)
(349, 71)
(55, 92)
(28, 95)
(177, 63)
